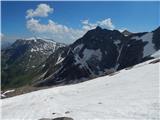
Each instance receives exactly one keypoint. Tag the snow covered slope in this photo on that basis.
(129, 94)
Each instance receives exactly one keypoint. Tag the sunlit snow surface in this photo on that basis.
(130, 94)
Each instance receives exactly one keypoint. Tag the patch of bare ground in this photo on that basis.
(22, 90)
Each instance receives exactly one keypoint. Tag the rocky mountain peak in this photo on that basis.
(157, 29)
(98, 28)
(126, 33)
(99, 51)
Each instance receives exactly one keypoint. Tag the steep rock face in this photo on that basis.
(21, 59)
(156, 38)
(99, 52)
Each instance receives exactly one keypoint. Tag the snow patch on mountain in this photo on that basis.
(60, 59)
(34, 50)
(116, 42)
(44, 47)
(88, 54)
(78, 48)
(31, 38)
(156, 54)
(3, 94)
(82, 63)
(149, 47)
(40, 38)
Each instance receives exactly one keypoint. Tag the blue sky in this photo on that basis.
(134, 16)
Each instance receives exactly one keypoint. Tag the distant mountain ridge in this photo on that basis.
(98, 52)
(20, 60)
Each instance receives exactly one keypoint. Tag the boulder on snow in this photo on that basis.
(45, 119)
(59, 118)
(155, 61)
(63, 118)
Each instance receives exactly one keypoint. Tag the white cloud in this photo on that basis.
(54, 30)
(63, 33)
(1, 36)
(42, 10)
(88, 26)
(85, 22)
(122, 29)
(106, 23)
(58, 31)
